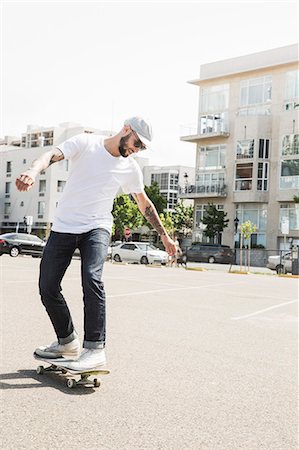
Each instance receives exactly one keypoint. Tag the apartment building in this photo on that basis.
(170, 180)
(41, 201)
(247, 146)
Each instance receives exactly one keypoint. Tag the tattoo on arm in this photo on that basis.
(152, 217)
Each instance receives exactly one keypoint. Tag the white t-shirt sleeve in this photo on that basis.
(73, 146)
(134, 182)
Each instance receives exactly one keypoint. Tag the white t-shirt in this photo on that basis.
(95, 178)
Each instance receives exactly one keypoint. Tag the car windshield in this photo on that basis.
(144, 246)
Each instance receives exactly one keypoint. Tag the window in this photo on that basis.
(172, 200)
(41, 209)
(290, 145)
(256, 90)
(245, 149)
(264, 148)
(214, 98)
(292, 85)
(200, 211)
(161, 179)
(257, 214)
(243, 177)
(289, 210)
(7, 210)
(289, 175)
(7, 189)
(60, 185)
(212, 157)
(8, 167)
(174, 181)
(64, 164)
(42, 187)
(262, 176)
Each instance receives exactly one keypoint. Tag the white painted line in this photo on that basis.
(264, 310)
(186, 288)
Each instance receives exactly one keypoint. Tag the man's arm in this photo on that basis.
(149, 211)
(27, 179)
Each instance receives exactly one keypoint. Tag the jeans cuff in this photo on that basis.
(93, 345)
(68, 339)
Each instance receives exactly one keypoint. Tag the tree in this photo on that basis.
(160, 203)
(126, 215)
(246, 229)
(167, 221)
(215, 222)
(153, 193)
(183, 218)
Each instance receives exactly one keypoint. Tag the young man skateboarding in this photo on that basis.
(100, 166)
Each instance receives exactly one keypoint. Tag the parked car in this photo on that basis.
(281, 263)
(140, 252)
(77, 254)
(21, 243)
(211, 253)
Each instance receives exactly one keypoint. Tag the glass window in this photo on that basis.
(243, 177)
(42, 186)
(256, 213)
(7, 208)
(264, 145)
(292, 85)
(255, 90)
(7, 187)
(245, 149)
(214, 98)
(289, 178)
(8, 166)
(212, 157)
(290, 211)
(60, 185)
(262, 176)
(41, 208)
(290, 145)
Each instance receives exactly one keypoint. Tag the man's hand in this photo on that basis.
(169, 245)
(26, 180)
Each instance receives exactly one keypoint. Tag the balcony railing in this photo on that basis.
(202, 190)
(209, 126)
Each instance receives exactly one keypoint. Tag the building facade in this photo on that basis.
(40, 202)
(247, 146)
(169, 179)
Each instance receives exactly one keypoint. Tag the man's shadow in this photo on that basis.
(23, 379)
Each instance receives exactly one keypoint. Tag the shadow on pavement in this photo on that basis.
(52, 380)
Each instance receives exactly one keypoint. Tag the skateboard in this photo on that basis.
(56, 365)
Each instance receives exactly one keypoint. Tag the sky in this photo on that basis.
(98, 63)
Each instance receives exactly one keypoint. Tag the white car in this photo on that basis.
(281, 264)
(140, 252)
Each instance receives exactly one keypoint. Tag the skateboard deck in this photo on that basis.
(57, 365)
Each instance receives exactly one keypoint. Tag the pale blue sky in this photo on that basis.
(98, 63)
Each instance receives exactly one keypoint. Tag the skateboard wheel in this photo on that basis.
(96, 382)
(71, 383)
(40, 370)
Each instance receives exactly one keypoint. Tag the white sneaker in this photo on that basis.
(89, 359)
(56, 350)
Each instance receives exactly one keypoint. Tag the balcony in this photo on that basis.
(202, 190)
(210, 126)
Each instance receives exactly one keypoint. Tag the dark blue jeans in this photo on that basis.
(56, 258)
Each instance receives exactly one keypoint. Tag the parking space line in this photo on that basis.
(186, 288)
(256, 313)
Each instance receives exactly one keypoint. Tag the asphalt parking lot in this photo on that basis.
(199, 361)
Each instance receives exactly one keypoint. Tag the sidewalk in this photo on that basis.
(229, 268)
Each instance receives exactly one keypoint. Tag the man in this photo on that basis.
(100, 167)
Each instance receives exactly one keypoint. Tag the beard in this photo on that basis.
(123, 146)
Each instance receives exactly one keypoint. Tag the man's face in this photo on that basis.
(130, 144)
